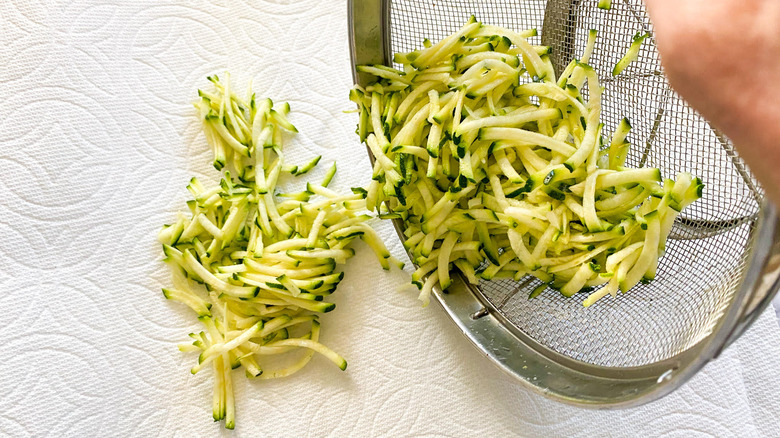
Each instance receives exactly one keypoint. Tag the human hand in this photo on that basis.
(723, 56)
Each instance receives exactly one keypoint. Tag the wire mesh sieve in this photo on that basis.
(654, 337)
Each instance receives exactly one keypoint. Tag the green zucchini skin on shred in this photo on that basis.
(500, 167)
(257, 266)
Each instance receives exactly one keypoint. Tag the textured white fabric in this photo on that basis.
(97, 141)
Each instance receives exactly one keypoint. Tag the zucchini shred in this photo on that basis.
(257, 266)
(499, 167)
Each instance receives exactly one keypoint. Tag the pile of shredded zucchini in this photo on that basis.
(499, 167)
(257, 266)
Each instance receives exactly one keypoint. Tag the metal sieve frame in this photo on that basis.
(546, 371)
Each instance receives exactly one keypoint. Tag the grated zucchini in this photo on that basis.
(509, 161)
(256, 269)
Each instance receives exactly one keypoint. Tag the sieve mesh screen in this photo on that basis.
(707, 254)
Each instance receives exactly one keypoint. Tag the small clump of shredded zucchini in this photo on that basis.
(255, 265)
(500, 167)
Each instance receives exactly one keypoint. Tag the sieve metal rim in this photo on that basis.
(542, 369)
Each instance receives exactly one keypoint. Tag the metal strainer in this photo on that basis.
(722, 263)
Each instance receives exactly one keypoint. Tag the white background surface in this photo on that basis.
(97, 141)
